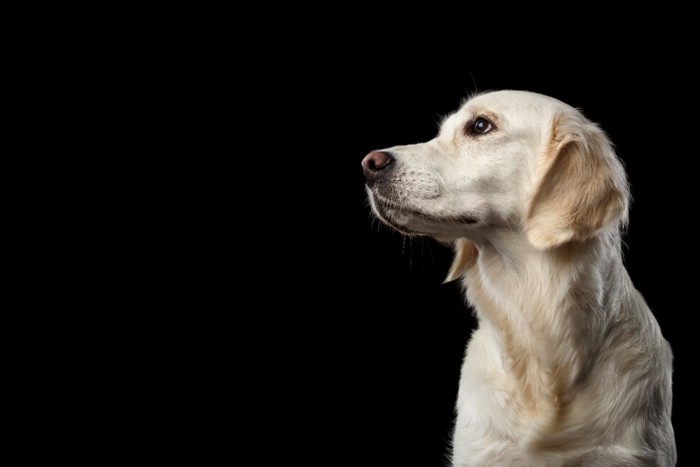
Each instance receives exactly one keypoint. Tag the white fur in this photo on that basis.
(568, 366)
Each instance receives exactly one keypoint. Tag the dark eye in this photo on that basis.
(481, 126)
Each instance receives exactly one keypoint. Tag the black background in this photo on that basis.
(382, 338)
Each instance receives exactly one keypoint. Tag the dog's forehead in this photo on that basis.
(506, 107)
(511, 102)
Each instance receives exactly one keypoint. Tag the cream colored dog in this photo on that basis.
(568, 366)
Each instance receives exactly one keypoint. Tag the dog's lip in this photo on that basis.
(380, 211)
(384, 203)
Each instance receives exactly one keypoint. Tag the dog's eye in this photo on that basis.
(481, 126)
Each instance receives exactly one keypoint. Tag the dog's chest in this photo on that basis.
(491, 417)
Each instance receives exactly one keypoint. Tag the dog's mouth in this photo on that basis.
(411, 221)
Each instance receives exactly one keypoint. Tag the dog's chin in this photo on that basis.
(397, 220)
(415, 223)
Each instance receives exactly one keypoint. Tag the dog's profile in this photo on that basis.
(568, 366)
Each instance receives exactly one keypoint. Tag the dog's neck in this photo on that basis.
(547, 309)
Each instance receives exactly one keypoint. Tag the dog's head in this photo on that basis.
(505, 160)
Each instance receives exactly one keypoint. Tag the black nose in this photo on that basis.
(374, 163)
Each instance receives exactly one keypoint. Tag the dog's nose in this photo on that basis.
(374, 163)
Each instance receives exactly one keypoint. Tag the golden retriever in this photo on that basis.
(568, 366)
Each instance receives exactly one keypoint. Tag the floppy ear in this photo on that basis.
(581, 187)
(465, 257)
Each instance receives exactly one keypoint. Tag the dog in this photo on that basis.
(568, 366)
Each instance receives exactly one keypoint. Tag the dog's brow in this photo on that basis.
(484, 112)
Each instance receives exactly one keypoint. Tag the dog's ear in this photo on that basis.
(465, 257)
(581, 186)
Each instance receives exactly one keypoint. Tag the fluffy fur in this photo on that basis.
(568, 366)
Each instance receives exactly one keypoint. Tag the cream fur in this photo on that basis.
(568, 366)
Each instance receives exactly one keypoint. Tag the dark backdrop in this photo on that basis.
(383, 339)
